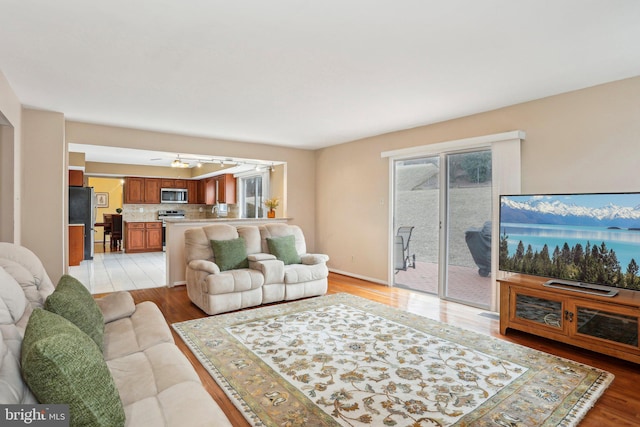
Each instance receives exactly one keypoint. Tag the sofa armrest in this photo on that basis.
(271, 269)
(261, 257)
(116, 306)
(204, 265)
(312, 259)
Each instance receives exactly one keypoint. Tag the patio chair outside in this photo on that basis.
(403, 258)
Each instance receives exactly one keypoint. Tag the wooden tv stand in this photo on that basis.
(603, 324)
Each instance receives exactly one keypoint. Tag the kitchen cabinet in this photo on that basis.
(133, 190)
(76, 244)
(192, 191)
(599, 323)
(225, 188)
(152, 190)
(143, 237)
(76, 178)
(141, 190)
(209, 190)
(173, 183)
(219, 189)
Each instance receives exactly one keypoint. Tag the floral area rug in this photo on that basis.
(341, 360)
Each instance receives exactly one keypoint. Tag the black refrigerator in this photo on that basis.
(82, 210)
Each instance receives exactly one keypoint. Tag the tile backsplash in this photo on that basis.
(132, 212)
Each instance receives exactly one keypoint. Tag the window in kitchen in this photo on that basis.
(252, 189)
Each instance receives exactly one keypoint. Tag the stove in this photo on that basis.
(163, 215)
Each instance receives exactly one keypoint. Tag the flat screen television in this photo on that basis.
(581, 238)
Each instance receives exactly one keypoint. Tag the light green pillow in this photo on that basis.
(284, 248)
(62, 365)
(73, 301)
(230, 254)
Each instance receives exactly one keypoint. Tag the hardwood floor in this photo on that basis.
(619, 406)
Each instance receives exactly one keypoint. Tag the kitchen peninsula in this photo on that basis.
(175, 228)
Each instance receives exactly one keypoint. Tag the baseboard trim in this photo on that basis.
(359, 276)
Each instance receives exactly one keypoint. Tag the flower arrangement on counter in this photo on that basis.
(272, 203)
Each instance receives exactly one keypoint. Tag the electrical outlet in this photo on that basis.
(140, 210)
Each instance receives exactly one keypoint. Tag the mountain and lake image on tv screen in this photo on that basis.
(589, 238)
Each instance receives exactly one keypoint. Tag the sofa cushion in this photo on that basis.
(233, 281)
(25, 267)
(284, 248)
(145, 328)
(12, 299)
(230, 254)
(62, 365)
(299, 273)
(117, 305)
(72, 300)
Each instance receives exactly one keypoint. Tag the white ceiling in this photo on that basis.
(306, 74)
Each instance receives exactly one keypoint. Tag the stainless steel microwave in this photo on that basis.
(173, 195)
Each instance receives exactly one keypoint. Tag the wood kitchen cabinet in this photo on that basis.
(133, 190)
(152, 190)
(76, 178)
(209, 185)
(225, 188)
(192, 191)
(219, 189)
(76, 244)
(143, 237)
(173, 183)
(141, 190)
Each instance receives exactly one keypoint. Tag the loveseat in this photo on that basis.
(112, 361)
(233, 267)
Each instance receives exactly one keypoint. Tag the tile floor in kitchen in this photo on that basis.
(117, 271)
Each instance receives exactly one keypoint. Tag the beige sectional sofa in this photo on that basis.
(155, 384)
(272, 265)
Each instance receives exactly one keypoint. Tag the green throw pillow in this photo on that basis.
(230, 254)
(73, 301)
(284, 248)
(62, 365)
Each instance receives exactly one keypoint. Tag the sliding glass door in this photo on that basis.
(468, 228)
(417, 224)
(442, 225)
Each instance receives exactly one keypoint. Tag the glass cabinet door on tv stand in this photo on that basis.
(595, 321)
(601, 324)
(541, 310)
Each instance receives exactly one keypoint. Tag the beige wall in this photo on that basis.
(299, 176)
(582, 141)
(44, 189)
(10, 142)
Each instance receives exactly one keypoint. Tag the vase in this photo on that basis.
(271, 213)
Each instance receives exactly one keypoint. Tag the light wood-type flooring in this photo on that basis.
(619, 406)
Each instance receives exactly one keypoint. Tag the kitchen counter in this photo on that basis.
(229, 220)
(175, 228)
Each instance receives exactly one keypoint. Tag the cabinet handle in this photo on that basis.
(568, 315)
